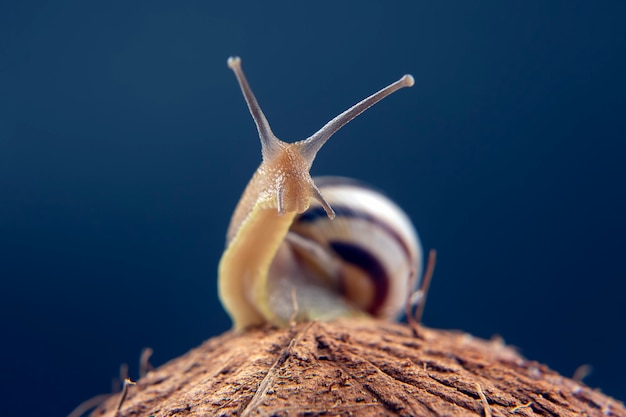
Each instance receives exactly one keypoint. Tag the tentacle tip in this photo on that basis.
(233, 62)
(328, 209)
(408, 80)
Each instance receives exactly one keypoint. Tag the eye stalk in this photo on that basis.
(269, 142)
(287, 165)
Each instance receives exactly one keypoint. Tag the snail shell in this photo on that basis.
(303, 248)
(360, 261)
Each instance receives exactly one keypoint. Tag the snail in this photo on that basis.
(313, 249)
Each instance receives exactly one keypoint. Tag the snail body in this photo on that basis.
(303, 248)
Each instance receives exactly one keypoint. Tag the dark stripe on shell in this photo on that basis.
(315, 213)
(364, 260)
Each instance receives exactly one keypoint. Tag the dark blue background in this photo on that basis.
(125, 143)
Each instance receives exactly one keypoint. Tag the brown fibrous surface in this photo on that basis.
(356, 368)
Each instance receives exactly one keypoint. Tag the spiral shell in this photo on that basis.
(365, 256)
